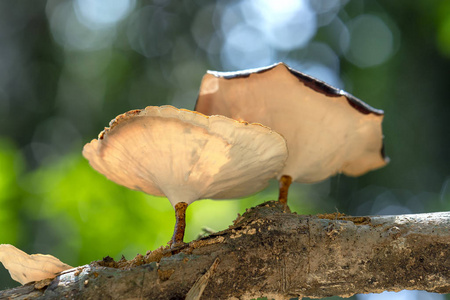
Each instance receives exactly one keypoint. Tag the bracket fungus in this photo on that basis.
(186, 156)
(327, 130)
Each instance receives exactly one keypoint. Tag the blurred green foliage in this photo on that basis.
(67, 68)
(10, 198)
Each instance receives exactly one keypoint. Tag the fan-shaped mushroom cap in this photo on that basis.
(186, 155)
(327, 130)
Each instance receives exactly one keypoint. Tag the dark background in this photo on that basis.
(68, 67)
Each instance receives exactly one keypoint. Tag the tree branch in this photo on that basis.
(273, 253)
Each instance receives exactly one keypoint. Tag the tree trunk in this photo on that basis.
(273, 253)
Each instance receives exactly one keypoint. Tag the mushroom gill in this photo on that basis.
(186, 156)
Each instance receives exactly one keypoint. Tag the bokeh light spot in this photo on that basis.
(69, 32)
(255, 31)
(371, 41)
(286, 24)
(148, 31)
(326, 10)
(203, 30)
(102, 13)
(245, 47)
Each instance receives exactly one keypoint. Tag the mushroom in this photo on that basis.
(186, 156)
(327, 130)
(26, 268)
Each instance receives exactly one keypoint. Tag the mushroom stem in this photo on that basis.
(285, 182)
(180, 224)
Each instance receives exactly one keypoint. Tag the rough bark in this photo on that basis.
(274, 253)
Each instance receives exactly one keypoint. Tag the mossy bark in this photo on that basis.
(273, 253)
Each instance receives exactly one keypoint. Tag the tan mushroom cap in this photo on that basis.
(328, 131)
(187, 156)
(26, 268)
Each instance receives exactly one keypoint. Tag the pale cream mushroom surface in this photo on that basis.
(187, 156)
(26, 268)
(328, 131)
